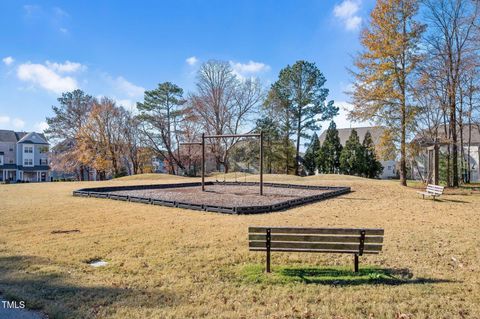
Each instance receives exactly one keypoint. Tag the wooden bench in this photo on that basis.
(432, 191)
(356, 241)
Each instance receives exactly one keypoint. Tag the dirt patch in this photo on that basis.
(224, 195)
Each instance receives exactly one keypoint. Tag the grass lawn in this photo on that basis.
(174, 263)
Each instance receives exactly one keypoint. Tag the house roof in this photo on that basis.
(22, 137)
(33, 138)
(426, 137)
(8, 136)
(344, 134)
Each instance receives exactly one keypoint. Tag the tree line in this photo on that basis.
(355, 158)
(417, 74)
(96, 134)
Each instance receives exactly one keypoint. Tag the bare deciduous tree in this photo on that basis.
(223, 104)
(451, 39)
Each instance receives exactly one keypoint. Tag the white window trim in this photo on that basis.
(25, 147)
(28, 159)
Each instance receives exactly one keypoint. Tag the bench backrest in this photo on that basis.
(435, 189)
(319, 240)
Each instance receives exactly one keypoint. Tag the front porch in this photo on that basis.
(34, 176)
(8, 175)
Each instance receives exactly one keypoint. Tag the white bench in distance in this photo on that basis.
(432, 191)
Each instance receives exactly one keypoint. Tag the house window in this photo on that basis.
(28, 149)
(1, 159)
(43, 149)
(43, 161)
(10, 149)
(28, 162)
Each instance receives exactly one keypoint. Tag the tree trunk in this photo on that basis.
(403, 147)
(81, 173)
(447, 135)
(469, 173)
(453, 129)
(460, 127)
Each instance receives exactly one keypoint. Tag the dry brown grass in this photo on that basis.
(174, 263)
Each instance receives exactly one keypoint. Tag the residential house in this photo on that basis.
(23, 157)
(432, 149)
(389, 166)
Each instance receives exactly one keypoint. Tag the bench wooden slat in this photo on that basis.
(315, 238)
(299, 250)
(321, 246)
(325, 231)
(432, 191)
(435, 186)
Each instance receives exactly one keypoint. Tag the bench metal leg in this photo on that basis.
(356, 262)
(269, 238)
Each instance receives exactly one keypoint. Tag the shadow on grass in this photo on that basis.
(44, 286)
(337, 276)
(452, 201)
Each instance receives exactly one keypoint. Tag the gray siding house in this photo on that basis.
(23, 157)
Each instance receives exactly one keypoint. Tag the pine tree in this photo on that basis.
(160, 112)
(328, 158)
(351, 158)
(69, 118)
(372, 168)
(310, 159)
(301, 89)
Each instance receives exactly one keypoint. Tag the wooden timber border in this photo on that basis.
(105, 192)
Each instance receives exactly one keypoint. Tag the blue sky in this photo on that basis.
(120, 48)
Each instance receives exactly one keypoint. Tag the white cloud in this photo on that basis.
(40, 126)
(4, 120)
(127, 104)
(31, 9)
(59, 12)
(66, 67)
(11, 123)
(46, 78)
(250, 68)
(353, 23)
(18, 123)
(347, 13)
(192, 60)
(8, 60)
(127, 87)
(63, 30)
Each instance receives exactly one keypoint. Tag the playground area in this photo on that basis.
(166, 262)
(220, 197)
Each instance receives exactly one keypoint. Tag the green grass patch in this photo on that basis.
(323, 275)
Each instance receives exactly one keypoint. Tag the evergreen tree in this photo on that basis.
(351, 158)
(301, 90)
(328, 158)
(310, 159)
(160, 113)
(371, 166)
(68, 120)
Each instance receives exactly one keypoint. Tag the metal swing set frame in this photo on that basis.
(202, 143)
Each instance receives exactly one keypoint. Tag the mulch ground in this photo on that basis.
(224, 195)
